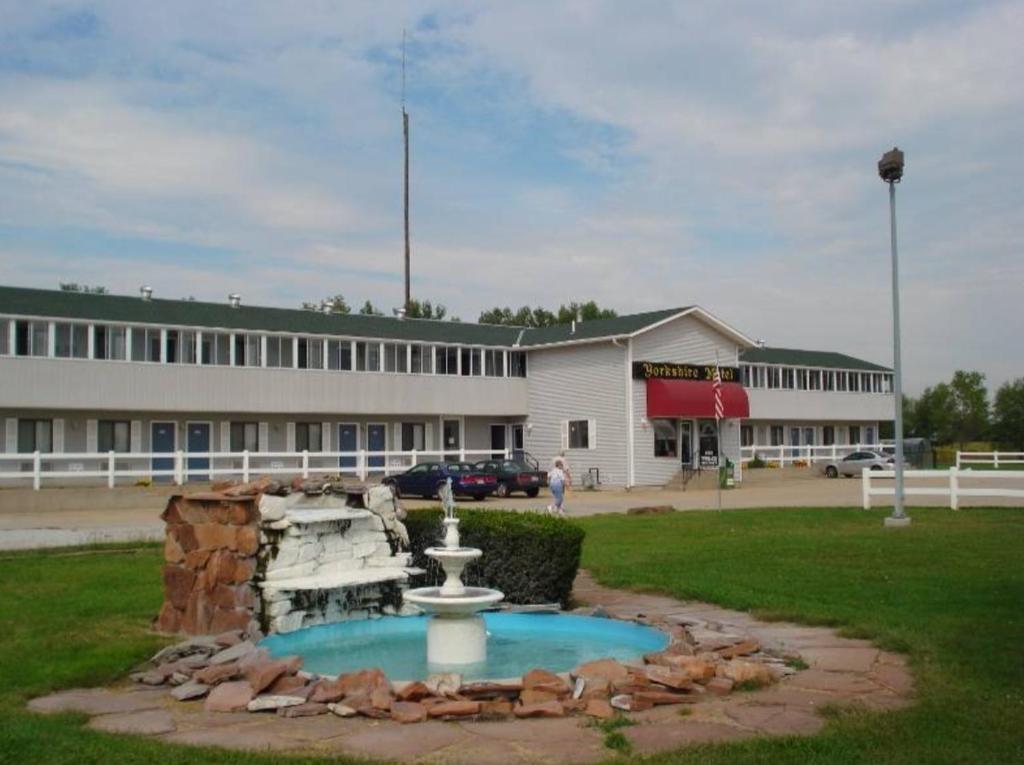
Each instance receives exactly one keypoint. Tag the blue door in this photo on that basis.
(198, 441)
(375, 442)
(161, 440)
(348, 441)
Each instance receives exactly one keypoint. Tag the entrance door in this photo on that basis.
(518, 440)
(497, 442)
(809, 441)
(451, 439)
(794, 441)
(348, 441)
(708, 444)
(162, 437)
(198, 441)
(869, 434)
(376, 441)
(686, 443)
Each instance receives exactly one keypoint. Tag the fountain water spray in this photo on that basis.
(456, 634)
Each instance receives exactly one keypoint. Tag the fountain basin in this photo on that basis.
(435, 601)
(517, 643)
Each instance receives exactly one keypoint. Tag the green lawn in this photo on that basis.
(949, 590)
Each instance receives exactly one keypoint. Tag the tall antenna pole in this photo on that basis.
(405, 134)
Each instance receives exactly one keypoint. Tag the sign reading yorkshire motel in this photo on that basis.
(657, 370)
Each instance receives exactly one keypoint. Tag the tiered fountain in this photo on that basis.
(456, 634)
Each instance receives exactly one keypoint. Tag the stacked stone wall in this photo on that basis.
(209, 563)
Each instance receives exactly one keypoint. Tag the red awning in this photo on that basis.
(694, 398)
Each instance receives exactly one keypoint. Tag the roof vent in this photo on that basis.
(759, 343)
(235, 299)
(399, 312)
(146, 292)
(572, 328)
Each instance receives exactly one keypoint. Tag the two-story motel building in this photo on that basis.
(631, 397)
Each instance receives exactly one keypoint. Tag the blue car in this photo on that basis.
(426, 479)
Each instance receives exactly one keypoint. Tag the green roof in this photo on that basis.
(597, 328)
(795, 357)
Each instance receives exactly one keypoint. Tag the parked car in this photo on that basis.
(853, 464)
(513, 475)
(427, 478)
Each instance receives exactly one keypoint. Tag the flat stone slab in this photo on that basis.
(337, 580)
(842, 671)
(307, 516)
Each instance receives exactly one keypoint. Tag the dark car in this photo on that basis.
(427, 478)
(513, 475)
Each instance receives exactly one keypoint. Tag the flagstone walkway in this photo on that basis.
(840, 671)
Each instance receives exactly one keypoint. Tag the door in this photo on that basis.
(809, 441)
(518, 440)
(348, 441)
(686, 443)
(198, 441)
(497, 442)
(162, 439)
(794, 441)
(869, 434)
(376, 441)
(451, 439)
(708, 444)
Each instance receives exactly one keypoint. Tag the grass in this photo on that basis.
(949, 590)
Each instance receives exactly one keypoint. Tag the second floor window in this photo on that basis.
(339, 354)
(446, 360)
(109, 343)
(422, 360)
(31, 338)
(311, 353)
(395, 358)
(494, 363)
(72, 341)
(279, 351)
(516, 364)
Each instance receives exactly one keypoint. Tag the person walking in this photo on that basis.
(558, 480)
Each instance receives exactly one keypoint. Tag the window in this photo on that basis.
(72, 341)
(31, 338)
(745, 376)
(516, 364)
(801, 379)
(579, 434)
(109, 343)
(114, 436)
(854, 380)
(494, 363)
(774, 377)
(855, 434)
(5, 337)
(788, 375)
(35, 436)
(446, 360)
(395, 357)
(876, 383)
(422, 360)
(829, 378)
(886, 383)
(746, 435)
(339, 354)
(216, 348)
(865, 382)
(145, 344)
(757, 377)
(828, 435)
(279, 351)
(666, 438)
(181, 346)
(308, 437)
(413, 436)
(472, 362)
(841, 381)
(245, 436)
(777, 435)
(814, 379)
(311, 353)
(368, 357)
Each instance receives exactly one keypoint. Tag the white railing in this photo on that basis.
(993, 459)
(808, 453)
(180, 467)
(950, 487)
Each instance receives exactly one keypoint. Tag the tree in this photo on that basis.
(541, 317)
(84, 288)
(369, 309)
(335, 304)
(426, 310)
(931, 415)
(969, 400)
(1008, 414)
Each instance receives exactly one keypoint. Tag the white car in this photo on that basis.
(853, 464)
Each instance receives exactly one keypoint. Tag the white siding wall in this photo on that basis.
(579, 382)
(683, 341)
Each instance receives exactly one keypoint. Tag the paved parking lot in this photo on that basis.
(57, 517)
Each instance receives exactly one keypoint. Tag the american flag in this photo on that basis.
(716, 385)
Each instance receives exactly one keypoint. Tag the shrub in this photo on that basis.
(757, 462)
(530, 557)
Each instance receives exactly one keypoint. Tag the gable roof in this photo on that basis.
(597, 329)
(796, 357)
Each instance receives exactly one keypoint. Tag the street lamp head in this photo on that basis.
(890, 166)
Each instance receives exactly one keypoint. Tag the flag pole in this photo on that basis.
(718, 427)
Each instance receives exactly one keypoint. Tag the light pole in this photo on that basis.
(890, 168)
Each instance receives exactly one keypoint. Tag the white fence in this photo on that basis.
(950, 487)
(180, 467)
(808, 453)
(992, 459)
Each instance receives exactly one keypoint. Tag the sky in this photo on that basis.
(640, 154)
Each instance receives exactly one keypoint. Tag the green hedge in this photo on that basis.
(530, 557)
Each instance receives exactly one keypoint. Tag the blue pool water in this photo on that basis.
(516, 643)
